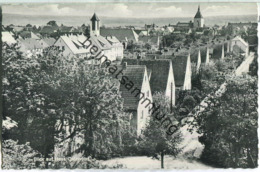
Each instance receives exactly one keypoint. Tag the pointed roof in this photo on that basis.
(135, 74)
(179, 64)
(198, 14)
(94, 18)
(159, 70)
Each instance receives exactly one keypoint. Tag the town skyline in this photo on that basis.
(133, 10)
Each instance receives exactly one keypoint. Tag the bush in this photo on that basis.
(17, 156)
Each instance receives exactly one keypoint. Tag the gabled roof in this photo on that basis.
(134, 73)
(179, 64)
(159, 70)
(198, 14)
(121, 34)
(28, 34)
(138, 31)
(8, 38)
(94, 18)
(74, 44)
(30, 44)
(49, 41)
(100, 42)
(112, 39)
(238, 38)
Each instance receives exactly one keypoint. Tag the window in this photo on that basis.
(147, 93)
(142, 117)
(63, 48)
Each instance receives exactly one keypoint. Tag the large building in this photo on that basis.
(109, 44)
(82, 46)
(198, 20)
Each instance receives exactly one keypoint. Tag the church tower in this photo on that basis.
(198, 20)
(95, 26)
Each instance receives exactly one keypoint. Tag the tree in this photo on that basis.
(52, 23)
(229, 125)
(28, 99)
(93, 108)
(16, 156)
(155, 133)
(48, 94)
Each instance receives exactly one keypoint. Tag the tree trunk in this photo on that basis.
(162, 156)
(91, 141)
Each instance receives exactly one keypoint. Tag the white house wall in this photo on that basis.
(170, 80)
(141, 122)
(187, 80)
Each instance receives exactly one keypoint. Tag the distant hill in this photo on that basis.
(108, 21)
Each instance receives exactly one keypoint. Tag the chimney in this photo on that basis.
(124, 65)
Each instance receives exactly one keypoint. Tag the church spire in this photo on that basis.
(95, 26)
(198, 14)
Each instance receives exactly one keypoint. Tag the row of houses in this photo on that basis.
(30, 45)
(166, 76)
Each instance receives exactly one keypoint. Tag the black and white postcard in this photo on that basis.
(129, 85)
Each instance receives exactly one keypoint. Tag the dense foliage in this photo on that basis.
(229, 125)
(57, 101)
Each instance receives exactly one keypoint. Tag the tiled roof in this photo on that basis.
(135, 73)
(179, 64)
(49, 41)
(30, 44)
(120, 33)
(159, 70)
(73, 42)
(101, 42)
(112, 39)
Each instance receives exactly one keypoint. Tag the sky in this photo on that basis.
(133, 9)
